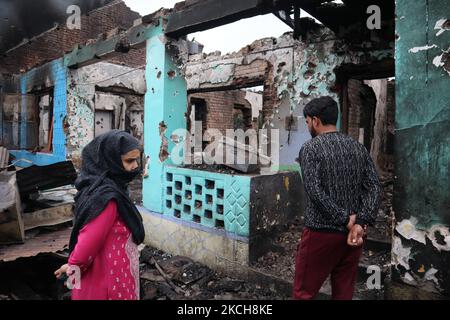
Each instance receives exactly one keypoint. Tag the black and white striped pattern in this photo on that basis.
(340, 178)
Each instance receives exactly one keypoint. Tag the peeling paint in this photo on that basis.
(443, 61)
(400, 254)
(424, 48)
(407, 228)
(437, 61)
(442, 25)
(440, 237)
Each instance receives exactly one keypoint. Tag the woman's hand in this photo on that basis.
(62, 271)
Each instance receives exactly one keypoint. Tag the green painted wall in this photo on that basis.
(421, 197)
(423, 113)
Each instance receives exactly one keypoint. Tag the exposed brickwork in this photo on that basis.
(54, 43)
(134, 58)
(362, 103)
(353, 111)
(220, 106)
(270, 94)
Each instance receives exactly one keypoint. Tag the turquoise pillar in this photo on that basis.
(165, 101)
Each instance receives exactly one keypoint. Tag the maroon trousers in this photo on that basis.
(319, 255)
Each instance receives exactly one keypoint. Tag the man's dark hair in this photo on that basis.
(324, 108)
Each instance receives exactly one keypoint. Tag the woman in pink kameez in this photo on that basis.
(104, 259)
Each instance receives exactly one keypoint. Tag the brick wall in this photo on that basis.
(220, 107)
(134, 58)
(361, 110)
(354, 108)
(54, 43)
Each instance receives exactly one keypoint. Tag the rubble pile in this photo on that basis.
(167, 277)
(280, 262)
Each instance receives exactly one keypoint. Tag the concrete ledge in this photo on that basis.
(218, 250)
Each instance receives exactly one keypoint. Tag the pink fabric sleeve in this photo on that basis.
(92, 237)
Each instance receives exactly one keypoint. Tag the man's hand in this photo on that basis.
(351, 222)
(355, 236)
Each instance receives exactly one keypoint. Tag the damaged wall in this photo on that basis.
(362, 103)
(49, 76)
(102, 86)
(53, 43)
(220, 106)
(292, 72)
(382, 148)
(421, 249)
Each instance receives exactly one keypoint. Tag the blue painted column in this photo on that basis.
(165, 101)
(59, 74)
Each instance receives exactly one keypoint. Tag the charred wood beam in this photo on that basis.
(297, 14)
(284, 16)
(330, 21)
(213, 13)
(352, 12)
(209, 14)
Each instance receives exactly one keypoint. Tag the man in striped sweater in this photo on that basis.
(343, 195)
